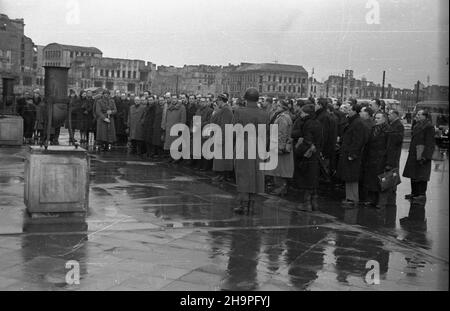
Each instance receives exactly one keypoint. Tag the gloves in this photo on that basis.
(106, 120)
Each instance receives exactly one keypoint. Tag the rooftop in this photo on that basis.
(271, 67)
(77, 48)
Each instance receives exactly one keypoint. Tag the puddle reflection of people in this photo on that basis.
(304, 252)
(243, 259)
(353, 251)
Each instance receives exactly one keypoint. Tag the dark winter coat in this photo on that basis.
(353, 140)
(176, 114)
(307, 170)
(106, 132)
(136, 122)
(149, 117)
(156, 126)
(323, 117)
(27, 110)
(121, 118)
(396, 134)
(87, 106)
(221, 118)
(422, 134)
(76, 114)
(375, 156)
(249, 176)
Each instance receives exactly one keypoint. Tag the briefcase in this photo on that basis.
(389, 179)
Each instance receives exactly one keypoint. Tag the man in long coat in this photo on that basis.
(328, 137)
(121, 118)
(157, 130)
(105, 108)
(204, 111)
(223, 116)
(249, 177)
(136, 126)
(395, 143)
(375, 160)
(308, 139)
(418, 164)
(176, 113)
(353, 140)
(149, 117)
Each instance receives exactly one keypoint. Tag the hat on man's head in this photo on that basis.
(285, 104)
(251, 94)
(223, 97)
(308, 108)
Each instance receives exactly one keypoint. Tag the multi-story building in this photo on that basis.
(88, 68)
(18, 54)
(126, 75)
(274, 80)
(189, 79)
(63, 55)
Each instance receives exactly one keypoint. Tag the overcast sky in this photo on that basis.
(410, 41)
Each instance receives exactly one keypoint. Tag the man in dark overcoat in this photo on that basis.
(249, 176)
(418, 164)
(353, 139)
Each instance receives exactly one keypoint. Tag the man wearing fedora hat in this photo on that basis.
(249, 177)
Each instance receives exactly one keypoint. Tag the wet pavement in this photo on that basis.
(159, 226)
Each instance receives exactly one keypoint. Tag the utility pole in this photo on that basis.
(382, 87)
(342, 88)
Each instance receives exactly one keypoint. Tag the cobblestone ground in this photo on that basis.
(157, 226)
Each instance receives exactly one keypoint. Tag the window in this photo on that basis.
(284, 88)
(101, 72)
(303, 81)
(260, 88)
(134, 74)
(123, 74)
(118, 73)
(260, 79)
(290, 80)
(107, 73)
(299, 90)
(285, 79)
(112, 73)
(289, 89)
(279, 79)
(27, 81)
(279, 89)
(269, 78)
(129, 76)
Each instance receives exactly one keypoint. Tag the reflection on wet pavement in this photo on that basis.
(155, 226)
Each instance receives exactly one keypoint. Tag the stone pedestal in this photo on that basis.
(57, 183)
(11, 130)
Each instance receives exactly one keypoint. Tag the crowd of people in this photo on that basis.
(347, 143)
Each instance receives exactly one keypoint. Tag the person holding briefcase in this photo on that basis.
(375, 166)
(418, 164)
